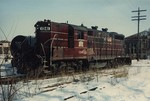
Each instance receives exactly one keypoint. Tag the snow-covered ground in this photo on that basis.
(130, 83)
(5, 67)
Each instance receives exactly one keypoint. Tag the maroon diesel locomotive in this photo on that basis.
(60, 47)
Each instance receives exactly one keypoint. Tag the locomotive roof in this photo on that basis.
(116, 35)
(79, 27)
(90, 29)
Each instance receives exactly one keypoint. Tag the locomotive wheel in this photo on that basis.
(60, 68)
(110, 64)
(68, 68)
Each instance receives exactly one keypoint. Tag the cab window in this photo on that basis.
(80, 35)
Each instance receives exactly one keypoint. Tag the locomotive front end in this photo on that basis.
(43, 40)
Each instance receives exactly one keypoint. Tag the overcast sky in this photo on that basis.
(17, 17)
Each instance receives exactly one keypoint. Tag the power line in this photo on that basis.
(3, 34)
(138, 18)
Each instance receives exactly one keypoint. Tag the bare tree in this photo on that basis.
(8, 86)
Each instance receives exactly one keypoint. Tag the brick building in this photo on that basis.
(143, 48)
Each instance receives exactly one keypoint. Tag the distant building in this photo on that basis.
(144, 45)
(4, 47)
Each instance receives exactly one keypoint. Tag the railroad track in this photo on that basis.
(10, 79)
(95, 71)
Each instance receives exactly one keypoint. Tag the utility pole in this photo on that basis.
(138, 18)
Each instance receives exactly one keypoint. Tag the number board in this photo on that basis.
(45, 28)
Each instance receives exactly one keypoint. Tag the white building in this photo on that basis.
(4, 47)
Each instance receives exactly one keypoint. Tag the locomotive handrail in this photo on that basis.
(51, 49)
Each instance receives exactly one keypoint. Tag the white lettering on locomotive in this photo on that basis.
(45, 28)
(80, 43)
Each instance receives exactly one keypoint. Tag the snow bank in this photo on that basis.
(92, 87)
